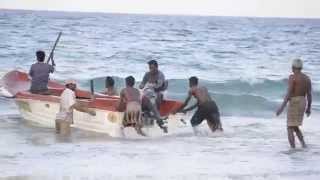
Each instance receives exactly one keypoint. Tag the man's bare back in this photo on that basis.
(301, 84)
(207, 109)
(299, 87)
(130, 94)
(201, 94)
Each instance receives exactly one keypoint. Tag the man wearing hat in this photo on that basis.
(300, 99)
(67, 103)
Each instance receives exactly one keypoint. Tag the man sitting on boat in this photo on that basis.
(39, 72)
(110, 89)
(207, 108)
(156, 80)
(130, 101)
(67, 103)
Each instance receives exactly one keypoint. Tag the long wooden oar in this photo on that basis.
(52, 50)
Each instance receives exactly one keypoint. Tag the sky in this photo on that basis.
(260, 8)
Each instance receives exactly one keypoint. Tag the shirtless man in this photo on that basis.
(130, 101)
(207, 108)
(299, 87)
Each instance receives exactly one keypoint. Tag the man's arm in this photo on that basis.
(144, 81)
(185, 102)
(309, 98)
(190, 108)
(51, 68)
(288, 95)
(70, 100)
(121, 101)
(160, 81)
(79, 107)
(31, 71)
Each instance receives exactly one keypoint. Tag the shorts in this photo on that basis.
(209, 111)
(132, 116)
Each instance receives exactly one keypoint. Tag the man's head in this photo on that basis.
(153, 66)
(130, 81)
(71, 84)
(109, 82)
(297, 65)
(193, 81)
(40, 56)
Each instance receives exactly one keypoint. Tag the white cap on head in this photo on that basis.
(297, 63)
(70, 81)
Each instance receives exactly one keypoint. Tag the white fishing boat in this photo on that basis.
(42, 109)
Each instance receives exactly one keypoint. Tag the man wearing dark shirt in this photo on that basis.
(39, 72)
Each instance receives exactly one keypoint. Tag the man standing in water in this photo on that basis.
(299, 87)
(67, 103)
(207, 108)
(130, 101)
(39, 72)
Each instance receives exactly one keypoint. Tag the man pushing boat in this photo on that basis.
(67, 103)
(207, 108)
(130, 102)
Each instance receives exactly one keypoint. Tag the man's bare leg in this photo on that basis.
(65, 128)
(291, 137)
(138, 128)
(57, 127)
(300, 137)
(156, 114)
(214, 122)
(159, 100)
(213, 127)
(196, 130)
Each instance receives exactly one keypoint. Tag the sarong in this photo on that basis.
(296, 110)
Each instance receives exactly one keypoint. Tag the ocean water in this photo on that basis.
(244, 62)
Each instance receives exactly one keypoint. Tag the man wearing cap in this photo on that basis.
(67, 103)
(300, 99)
(39, 73)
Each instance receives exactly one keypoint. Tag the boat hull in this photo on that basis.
(43, 113)
(42, 109)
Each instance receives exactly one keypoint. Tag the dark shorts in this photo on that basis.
(208, 111)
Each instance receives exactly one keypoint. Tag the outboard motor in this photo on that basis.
(150, 111)
(148, 117)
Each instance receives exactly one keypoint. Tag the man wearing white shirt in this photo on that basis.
(67, 103)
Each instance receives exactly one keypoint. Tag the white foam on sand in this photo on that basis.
(4, 92)
(249, 148)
